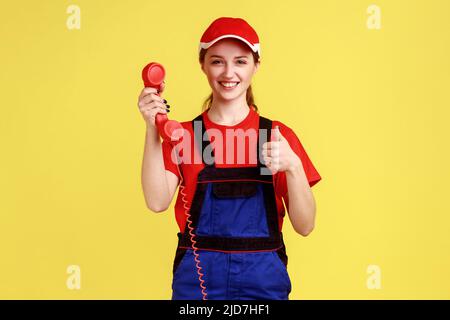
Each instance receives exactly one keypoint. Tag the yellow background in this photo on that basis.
(371, 108)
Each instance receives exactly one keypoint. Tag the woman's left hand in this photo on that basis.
(278, 154)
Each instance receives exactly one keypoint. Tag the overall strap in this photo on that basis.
(199, 128)
(264, 134)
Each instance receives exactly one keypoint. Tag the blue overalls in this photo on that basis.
(240, 247)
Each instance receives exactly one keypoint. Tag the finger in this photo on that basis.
(155, 97)
(273, 152)
(165, 108)
(267, 152)
(149, 98)
(162, 109)
(271, 159)
(151, 108)
(151, 112)
(270, 166)
(271, 145)
(275, 159)
(147, 90)
(270, 162)
(148, 101)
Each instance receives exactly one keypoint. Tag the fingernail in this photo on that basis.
(168, 110)
(168, 106)
(164, 100)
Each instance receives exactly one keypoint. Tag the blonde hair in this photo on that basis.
(250, 98)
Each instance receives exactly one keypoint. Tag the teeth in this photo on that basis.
(229, 84)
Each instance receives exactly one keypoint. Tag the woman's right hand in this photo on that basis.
(150, 104)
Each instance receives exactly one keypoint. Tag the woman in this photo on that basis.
(229, 208)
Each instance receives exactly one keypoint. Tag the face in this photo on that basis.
(229, 67)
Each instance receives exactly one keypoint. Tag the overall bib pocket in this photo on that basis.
(234, 209)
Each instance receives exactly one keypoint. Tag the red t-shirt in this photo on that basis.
(190, 169)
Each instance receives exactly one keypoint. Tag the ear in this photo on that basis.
(256, 67)
(202, 67)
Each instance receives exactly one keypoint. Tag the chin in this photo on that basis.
(229, 95)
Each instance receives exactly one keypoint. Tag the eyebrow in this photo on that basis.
(222, 57)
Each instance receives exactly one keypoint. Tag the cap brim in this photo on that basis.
(255, 48)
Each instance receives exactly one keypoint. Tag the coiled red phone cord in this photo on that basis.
(191, 230)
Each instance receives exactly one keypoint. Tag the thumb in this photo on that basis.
(277, 134)
(161, 87)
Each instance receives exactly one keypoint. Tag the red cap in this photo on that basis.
(227, 27)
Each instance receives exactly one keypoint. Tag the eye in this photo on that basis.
(214, 62)
(242, 61)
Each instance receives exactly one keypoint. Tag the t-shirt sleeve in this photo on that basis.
(311, 172)
(169, 164)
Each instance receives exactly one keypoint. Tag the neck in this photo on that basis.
(228, 112)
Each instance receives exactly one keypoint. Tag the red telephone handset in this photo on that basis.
(153, 75)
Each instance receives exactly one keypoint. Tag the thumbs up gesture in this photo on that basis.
(278, 154)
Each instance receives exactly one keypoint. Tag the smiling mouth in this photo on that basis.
(229, 85)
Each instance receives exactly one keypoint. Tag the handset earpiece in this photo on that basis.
(153, 76)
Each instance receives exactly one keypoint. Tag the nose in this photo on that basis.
(229, 71)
